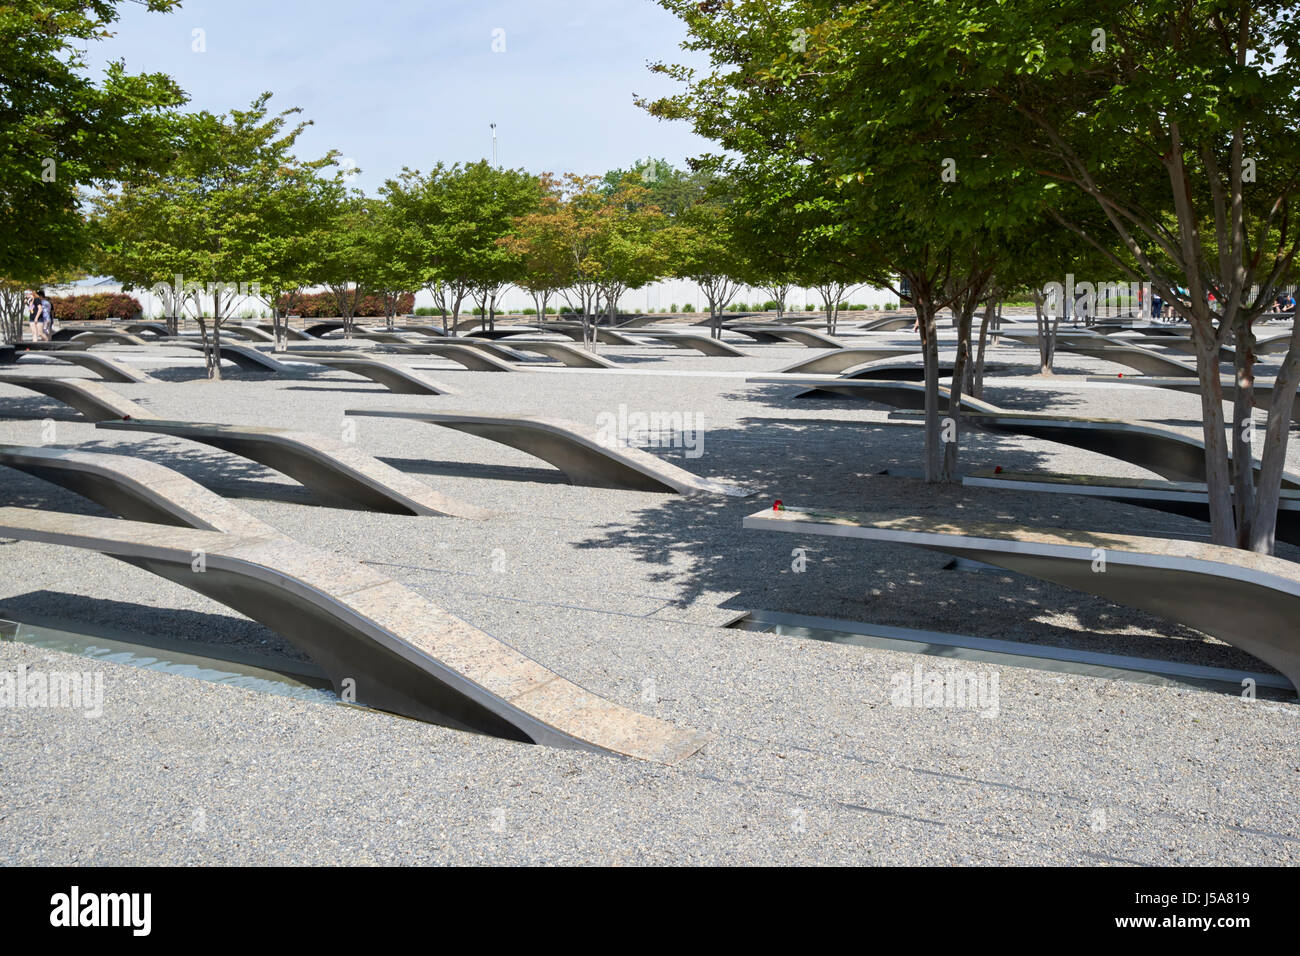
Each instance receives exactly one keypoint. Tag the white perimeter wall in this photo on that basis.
(651, 298)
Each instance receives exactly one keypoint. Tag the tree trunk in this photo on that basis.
(1046, 325)
(1243, 433)
(930, 349)
(965, 314)
(977, 379)
(1218, 478)
(1273, 460)
(279, 330)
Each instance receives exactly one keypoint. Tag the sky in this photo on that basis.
(393, 83)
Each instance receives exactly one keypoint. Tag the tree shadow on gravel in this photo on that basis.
(833, 465)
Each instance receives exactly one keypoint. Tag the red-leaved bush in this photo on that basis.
(96, 305)
(323, 305)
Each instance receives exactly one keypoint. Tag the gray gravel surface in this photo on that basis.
(625, 593)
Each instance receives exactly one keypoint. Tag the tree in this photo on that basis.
(61, 132)
(391, 273)
(1177, 119)
(419, 205)
(483, 202)
(203, 231)
(347, 264)
(704, 250)
(295, 218)
(538, 240)
(609, 243)
(778, 286)
(808, 95)
(627, 250)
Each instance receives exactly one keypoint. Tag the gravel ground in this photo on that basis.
(626, 593)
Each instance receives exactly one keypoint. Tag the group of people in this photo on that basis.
(40, 316)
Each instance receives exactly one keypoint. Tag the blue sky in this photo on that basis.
(393, 83)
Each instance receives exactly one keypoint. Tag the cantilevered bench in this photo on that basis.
(888, 323)
(1158, 449)
(322, 328)
(1164, 451)
(1187, 498)
(134, 488)
(563, 353)
(64, 345)
(249, 333)
(894, 393)
(429, 330)
(109, 337)
(94, 400)
(69, 332)
(151, 328)
(474, 359)
(388, 374)
(336, 472)
(500, 332)
(1146, 361)
(107, 369)
(297, 335)
(496, 350)
(1115, 326)
(605, 336)
(392, 647)
(1030, 337)
(371, 335)
(246, 358)
(1263, 389)
(700, 343)
(844, 358)
(577, 450)
(1248, 600)
(788, 333)
(757, 333)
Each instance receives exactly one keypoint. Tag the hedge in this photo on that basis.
(96, 305)
(323, 305)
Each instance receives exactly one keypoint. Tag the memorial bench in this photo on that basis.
(335, 471)
(577, 450)
(382, 644)
(1248, 600)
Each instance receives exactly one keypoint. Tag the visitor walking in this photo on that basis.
(32, 308)
(46, 316)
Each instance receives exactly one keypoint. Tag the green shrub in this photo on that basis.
(688, 308)
(808, 308)
(890, 306)
(857, 308)
(771, 305)
(426, 310)
(96, 306)
(323, 305)
(673, 308)
(550, 310)
(530, 311)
